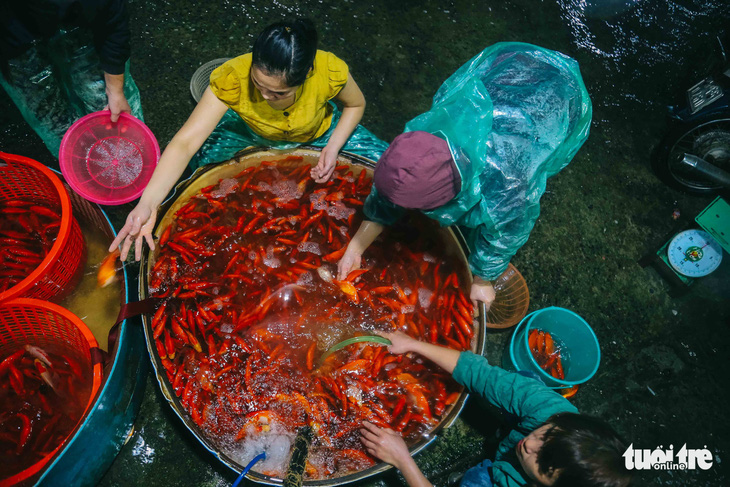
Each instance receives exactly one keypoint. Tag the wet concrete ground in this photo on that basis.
(662, 378)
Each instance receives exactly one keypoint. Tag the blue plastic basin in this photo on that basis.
(581, 353)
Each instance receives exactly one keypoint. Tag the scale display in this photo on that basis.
(694, 253)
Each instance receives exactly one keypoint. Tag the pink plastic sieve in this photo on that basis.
(108, 163)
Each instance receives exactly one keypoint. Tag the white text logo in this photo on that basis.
(659, 459)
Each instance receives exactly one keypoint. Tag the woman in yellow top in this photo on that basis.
(278, 95)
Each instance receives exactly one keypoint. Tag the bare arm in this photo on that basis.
(353, 107)
(387, 444)
(353, 102)
(413, 475)
(176, 156)
(446, 358)
(365, 236)
(183, 147)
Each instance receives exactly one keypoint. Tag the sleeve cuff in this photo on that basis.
(463, 365)
(112, 68)
(380, 210)
(225, 84)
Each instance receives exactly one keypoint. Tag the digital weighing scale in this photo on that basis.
(693, 252)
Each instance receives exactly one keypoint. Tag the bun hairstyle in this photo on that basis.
(286, 49)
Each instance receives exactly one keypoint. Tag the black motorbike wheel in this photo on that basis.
(708, 139)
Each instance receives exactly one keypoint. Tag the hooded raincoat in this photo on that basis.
(513, 116)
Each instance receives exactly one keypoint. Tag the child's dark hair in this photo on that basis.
(287, 49)
(586, 450)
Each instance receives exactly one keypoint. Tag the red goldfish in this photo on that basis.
(108, 270)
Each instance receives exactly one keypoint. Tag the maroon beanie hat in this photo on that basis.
(417, 172)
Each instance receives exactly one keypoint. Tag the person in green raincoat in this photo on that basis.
(510, 118)
(551, 444)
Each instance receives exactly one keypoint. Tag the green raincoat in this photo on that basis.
(513, 116)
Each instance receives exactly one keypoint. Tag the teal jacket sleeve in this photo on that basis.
(532, 402)
(379, 210)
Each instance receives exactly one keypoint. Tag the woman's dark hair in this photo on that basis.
(586, 450)
(287, 49)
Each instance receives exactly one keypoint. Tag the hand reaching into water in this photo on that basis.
(385, 444)
(137, 229)
(352, 257)
(322, 172)
(350, 261)
(400, 342)
(444, 357)
(388, 445)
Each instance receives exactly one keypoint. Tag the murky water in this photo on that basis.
(96, 306)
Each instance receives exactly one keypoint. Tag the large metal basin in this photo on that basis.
(205, 176)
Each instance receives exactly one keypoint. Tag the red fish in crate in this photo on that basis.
(27, 233)
(43, 394)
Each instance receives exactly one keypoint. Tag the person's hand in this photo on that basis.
(350, 261)
(385, 444)
(322, 172)
(137, 229)
(117, 104)
(483, 291)
(400, 342)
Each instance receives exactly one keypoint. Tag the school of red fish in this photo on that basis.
(27, 233)
(249, 304)
(547, 352)
(43, 394)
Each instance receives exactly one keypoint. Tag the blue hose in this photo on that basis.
(260, 456)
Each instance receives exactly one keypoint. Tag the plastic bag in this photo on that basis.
(232, 134)
(58, 81)
(513, 116)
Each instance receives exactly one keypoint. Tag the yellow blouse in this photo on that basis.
(307, 118)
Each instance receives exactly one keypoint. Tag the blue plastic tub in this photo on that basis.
(581, 355)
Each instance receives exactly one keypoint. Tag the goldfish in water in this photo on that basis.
(39, 353)
(49, 376)
(349, 290)
(108, 270)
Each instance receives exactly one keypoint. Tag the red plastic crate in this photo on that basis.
(55, 277)
(41, 323)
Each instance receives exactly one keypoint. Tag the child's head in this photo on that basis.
(574, 450)
(283, 54)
